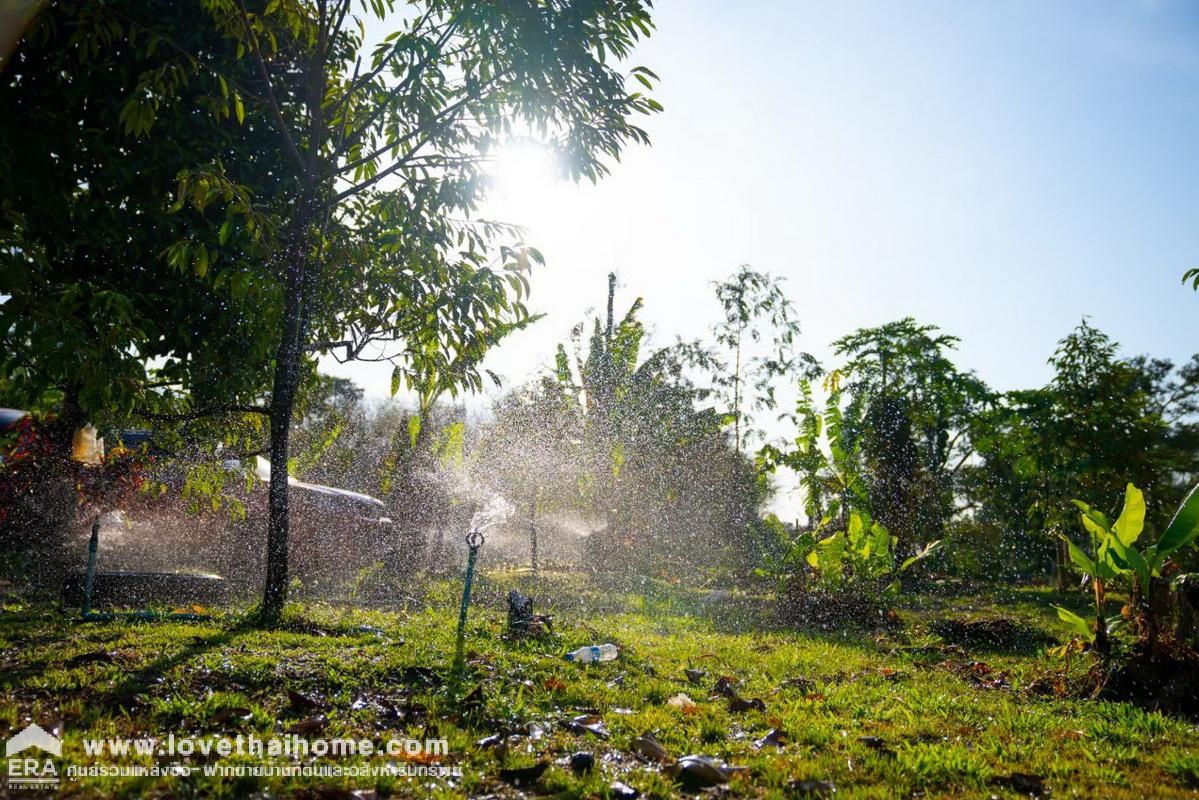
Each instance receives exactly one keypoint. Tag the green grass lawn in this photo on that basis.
(875, 714)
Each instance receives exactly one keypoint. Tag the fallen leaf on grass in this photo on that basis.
(725, 686)
(800, 683)
(812, 788)
(419, 675)
(877, 745)
(1023, 783)
(230, 714)
(301, 702)
(489, 741)
(700, 772)
(773, 738)
(97, 657)
(683, 703)
(524, 776)
(420, 758)
(695, 675)
(309, 726)
(649, 747)
(532, 730)
(979, 674)
(738, 704)
(473, 701)
(554, 685)
(622, 791)
(587, 723)
(582, 763)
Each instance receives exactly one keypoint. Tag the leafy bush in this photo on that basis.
(861, 553)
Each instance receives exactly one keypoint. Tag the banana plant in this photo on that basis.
(863, 553)
(1116, 556)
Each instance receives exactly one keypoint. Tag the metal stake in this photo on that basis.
(89, 581)
(474, 540)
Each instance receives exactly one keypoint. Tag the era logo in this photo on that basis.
(30, 772)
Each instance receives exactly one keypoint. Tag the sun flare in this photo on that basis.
(524, 179)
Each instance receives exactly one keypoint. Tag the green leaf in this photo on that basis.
(201, 262)
(1131, 521)
(1080, 559)
(856, 528)
(928, 550)
(1093, 520)
(1184, 528)
(238, 108)
(1132, 559)
(1077, 624)
(413, 430)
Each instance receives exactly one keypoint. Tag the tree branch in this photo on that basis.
(412, 75)
(265, 75)
(401, 163)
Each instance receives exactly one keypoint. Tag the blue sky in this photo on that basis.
(998, 169)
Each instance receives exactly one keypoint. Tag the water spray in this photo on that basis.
(533, 538)
(89, 588)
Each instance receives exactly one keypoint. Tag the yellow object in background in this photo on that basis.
(86, 447)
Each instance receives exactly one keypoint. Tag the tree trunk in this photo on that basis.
(1063, 565)
(283, 396)
(275, 591)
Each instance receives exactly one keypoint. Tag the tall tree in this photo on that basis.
(909, 411)
(353, 233)
(1102, 422)
(386, 163)
(757, 344)
(101, 115)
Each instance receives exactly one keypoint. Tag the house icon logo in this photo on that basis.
(27, 769)
(33, 736)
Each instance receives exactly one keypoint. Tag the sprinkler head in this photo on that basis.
(475, 539)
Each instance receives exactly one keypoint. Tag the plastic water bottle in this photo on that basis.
(596, 652)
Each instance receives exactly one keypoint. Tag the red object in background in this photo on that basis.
(27, 452)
